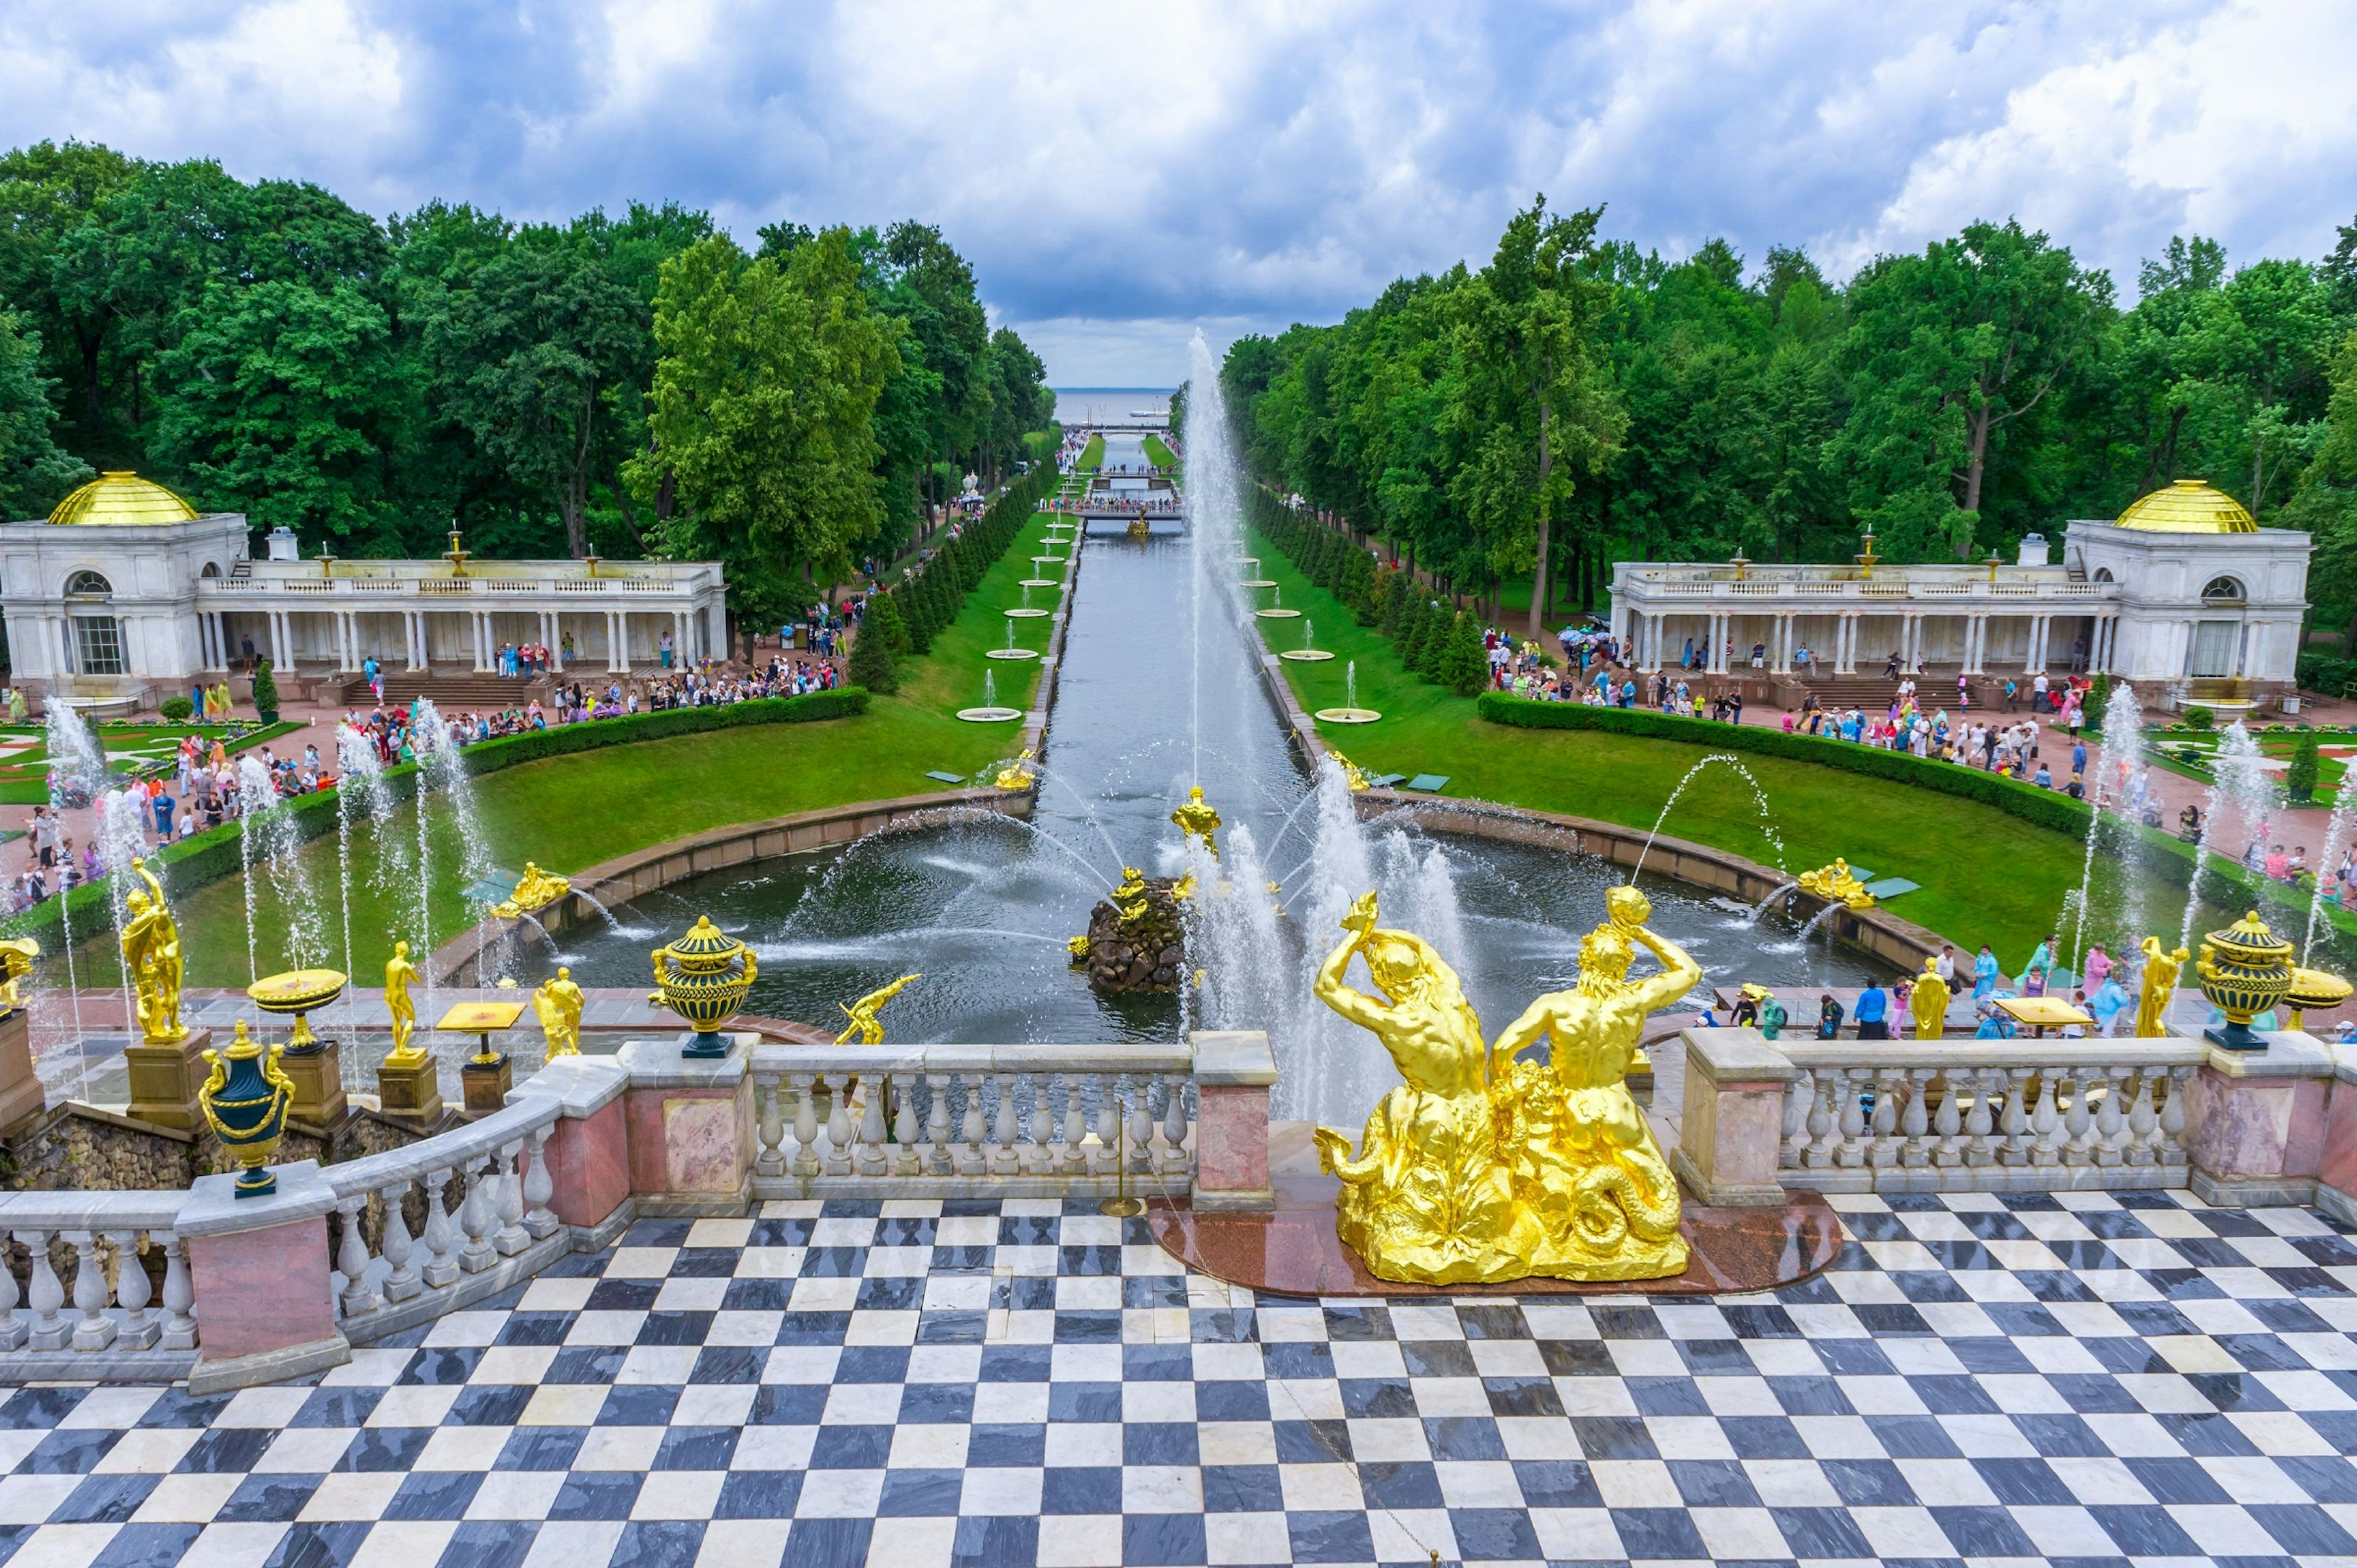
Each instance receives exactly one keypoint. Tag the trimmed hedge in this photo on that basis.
(215, 854)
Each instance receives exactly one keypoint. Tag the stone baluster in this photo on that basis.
(539, 1186)
(2079, 1123)
(1849, 1083)
(2047, 1119)
(2112, 1121)
(1884, 1150)
(1075, 1158)
(908, 1159)
(1949, 1143)
(1980, 1123)
(1174, 1128)
(1004, 1160)
(1800, 1098)
(140, 1329)
(2143, 1122)
(2017, 1117)
(1824, 1123)
(1043, 1122)
(872, 1158)
(96, 1330)
(352, 1256)
(179, 1294)
(2172, 1117)
(13, 1326)
(46, 1297)
(477, 1218)
(400, 1281)
(1140, 1131)
(1915, 1121)
(970, 1157)
(1108, 1124)
(440, 1236)
(805, 1124)
(771, 1160)
(839, 1132)
(937, 1124)
(508, 1173)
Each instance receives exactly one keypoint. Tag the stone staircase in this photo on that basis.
(453, 690)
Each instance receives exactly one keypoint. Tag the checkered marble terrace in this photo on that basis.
(2085, 1379)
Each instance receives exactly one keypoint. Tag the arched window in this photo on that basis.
(2220, 588)
(88, 585)
(2102, 573)
(212, 569)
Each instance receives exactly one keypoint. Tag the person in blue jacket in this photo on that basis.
(1873, 1013)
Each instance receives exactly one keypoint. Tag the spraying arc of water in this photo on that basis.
(1759, 798)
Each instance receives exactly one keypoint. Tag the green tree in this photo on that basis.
(871, 658)
(2325, 502)
(34, 471)
(883, 618)
(2299, 779)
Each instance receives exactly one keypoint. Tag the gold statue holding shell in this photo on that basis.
(1483, 1169)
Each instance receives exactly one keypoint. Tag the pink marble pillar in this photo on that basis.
(2335, 1185)
(689, 1127)
(1233, 1071)
(1732, 1125)
(2256, 1122)
(264, 1304)
(588, 1150)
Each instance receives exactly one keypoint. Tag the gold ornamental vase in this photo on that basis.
(2244, 970)
(296, 994)
(703, 977)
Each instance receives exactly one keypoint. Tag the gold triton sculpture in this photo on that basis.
(1352, 773)
(558, 1005)
(398, 973)
(1198, 820)
(536, 889)
(862, 1013)
(1018, 773)
(1834, 882)
(2161, 967)
(1483, 1169)
(151, 952)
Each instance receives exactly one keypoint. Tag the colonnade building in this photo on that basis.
(2182, 595)
(126, 594)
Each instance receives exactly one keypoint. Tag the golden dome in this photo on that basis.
(2189, 506)
(122, 497)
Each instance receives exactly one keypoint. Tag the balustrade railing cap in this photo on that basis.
(140, 1210)
(214, 1210)
(581, 1086)
(1744, 1055)
(2290, 1053)
(1961, 1052)
(657, 1064)
(1232, 1056)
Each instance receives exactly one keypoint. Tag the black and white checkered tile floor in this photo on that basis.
(2082, 1378)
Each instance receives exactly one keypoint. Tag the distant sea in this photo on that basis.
(1077, 405)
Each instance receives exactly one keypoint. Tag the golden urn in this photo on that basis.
(703, 977)
(297, 993)
(244, 1102)
(2245, 971)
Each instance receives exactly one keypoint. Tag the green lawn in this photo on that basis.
(1157, 453)
(130, 749)
(1092, 455)
(568, 812)
(1986, 876)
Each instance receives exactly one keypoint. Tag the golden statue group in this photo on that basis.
(1484, 1168)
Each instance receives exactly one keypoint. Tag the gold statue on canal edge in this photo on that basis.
(1482, 1168)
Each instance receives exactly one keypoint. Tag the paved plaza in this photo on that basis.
(2088, 1378)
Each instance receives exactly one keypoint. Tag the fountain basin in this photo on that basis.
(1257, 583)
(1020, 613)
(1347, 715)
(1278, 615)
(1040, 582)
(988, 716)
(1011, 653)
(1306, 655)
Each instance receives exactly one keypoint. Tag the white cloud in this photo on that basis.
(1119, 173)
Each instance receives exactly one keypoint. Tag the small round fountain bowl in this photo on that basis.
(1347, 715)
(1257, 583)
(1011, 654)
(1306, 655)
(295, 994)
(1041, 583)
(1278, 615)
(1023, 613)
(988, 716)
(1048, 561)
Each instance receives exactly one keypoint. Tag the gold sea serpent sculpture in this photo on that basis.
(1481, 1168)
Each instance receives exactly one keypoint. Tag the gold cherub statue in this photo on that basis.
(558, 1004)
(1198, 820)
(151, 953)
(1129, 899)
(1482, 1168)
(2161, 967)
(536, 889)
(398, 973)
(862, 1013)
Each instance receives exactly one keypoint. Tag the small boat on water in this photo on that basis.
(1144, 413)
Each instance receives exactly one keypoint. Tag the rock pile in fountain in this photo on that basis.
(1135, 940)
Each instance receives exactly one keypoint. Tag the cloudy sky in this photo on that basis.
(1122, 173)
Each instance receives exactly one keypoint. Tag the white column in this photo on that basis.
(1782, 662)
(679, 639)
(557, 640)
(2029, 661)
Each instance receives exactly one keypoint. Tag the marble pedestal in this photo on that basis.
(487, 1083)
(1731, 1122)
(259, 1267)
(165, 1080)
(588, 1150)
(21, 1086)
(2259, 1122)
(319, 1079)
(1233, 1072)
(690, 1126)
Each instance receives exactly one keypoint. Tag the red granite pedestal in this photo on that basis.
(1293, 1250)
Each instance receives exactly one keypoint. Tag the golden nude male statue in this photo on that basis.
(558, 1005)
(151, 952)
(398, 973)
(1583, 1158)
(2161, 967)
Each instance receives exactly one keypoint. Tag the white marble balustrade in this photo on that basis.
(112, 1322)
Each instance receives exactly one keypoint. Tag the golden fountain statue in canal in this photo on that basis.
(1482, 1168)
(536, 889)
